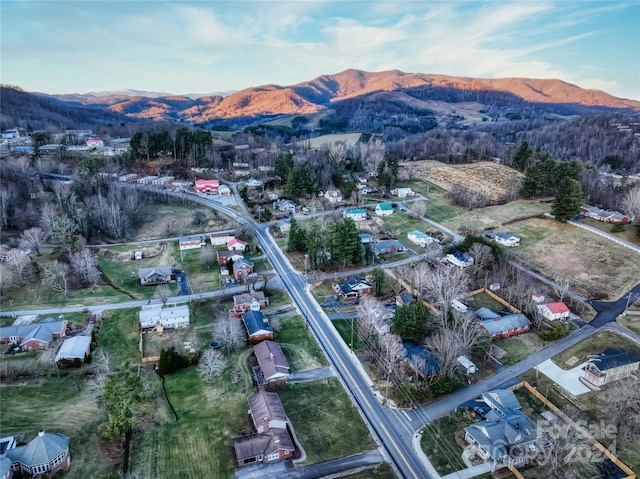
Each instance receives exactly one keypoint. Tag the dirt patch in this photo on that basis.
(122, 256)
(490, 177)
(112, 451)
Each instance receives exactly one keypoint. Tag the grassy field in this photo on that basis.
(496, 216)
(628, 234)
(630, 322)
(301, 349)
(118, 335)
(325, 421)
(343, 326)
(519, 347)
(595, 345)
(439, 444)
(349, 139)
(56, 405)
(439, 208)
(594, 264)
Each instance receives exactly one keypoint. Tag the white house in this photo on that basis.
(460, 259)
(224, 190)
(192, 242)
(356, 214)
(169, 318)
(333, 196)
(218, 239)
(507, 239)
(384, 209)
(236, 244)
(403, 192)
(554, 311)
(286, 206)
(419, 238)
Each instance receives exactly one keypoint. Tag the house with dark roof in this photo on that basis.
(506, 326)
(273, 368)
(605, 216)
(271, 441)
(283, 226)
(257, 326)
(352, 288)
(610, 365)
(155, 275)
(382, 248)
(242, 268)
(404, 298)
(507, 239)
(365, 238)
(46, 454)
(248, 302)
(506, 435)
(460, 259)
(192, 242)
(224, 257)
(421, 360)
(33, 337)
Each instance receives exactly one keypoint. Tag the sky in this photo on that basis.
(183, 47)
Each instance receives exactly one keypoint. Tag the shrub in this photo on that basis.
(556, 332)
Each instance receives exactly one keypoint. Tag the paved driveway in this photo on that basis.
(567, 379)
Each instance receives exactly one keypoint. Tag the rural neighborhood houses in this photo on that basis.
(420, 360)
(192, 242)
(356, 214)
(610, 365)
(75, 348)
(605, 216)
(384, 209)
(257, 326)
(271, 440)
(505, 239)
(43, 456)
(164, 317)
(460, 259)
(273, 368)
(333, 196)
(34, 337)
(554, 311)
(248, 302)
(419, 238)
(498, 326)
(506, 432)
(155, 275)
(236, 244)
(352, 288)
(283, 226)
(402, 192)
(221, 238)
(206, 186)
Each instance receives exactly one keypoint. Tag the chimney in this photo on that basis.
(517, 425)
(276, 439)
(271, 356)
(41, 433)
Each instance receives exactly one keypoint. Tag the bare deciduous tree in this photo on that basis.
(444, 285)
(370, 313)
(418, 209)
(375, 155)
(211, 364)
(390, 354)
(22, 267)
(7, 277)
(102, 366)
(207, 256)
(560, 286)
(163, 293)
(55, 275)
(33, 238)
(84, 265)
(482, 259)
(230, 333)
(446, 349)
(48, 356)
(631, 202)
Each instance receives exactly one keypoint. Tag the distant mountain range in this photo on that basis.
(356, 90)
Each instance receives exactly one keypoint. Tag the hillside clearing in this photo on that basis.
(595, 265)
(484, 175)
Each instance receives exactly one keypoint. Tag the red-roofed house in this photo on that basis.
(206, 186)
(236, 244)
(554, 311)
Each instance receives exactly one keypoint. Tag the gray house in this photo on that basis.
(506, 434)
(612, 364)
(155, 275)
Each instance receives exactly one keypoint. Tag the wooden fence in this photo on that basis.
(494, 296)
(629, 473)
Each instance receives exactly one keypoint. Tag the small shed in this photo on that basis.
(468, 366)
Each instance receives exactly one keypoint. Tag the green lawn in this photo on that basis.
(382, 471)
(439, 444)
(517, 349)
(344, 329)
(300, 348)
(118, 335)
(496, 216)
(56, 405)
(628, 233)
(439, 208)
(630, 322)
(595, 345)
(326, 422)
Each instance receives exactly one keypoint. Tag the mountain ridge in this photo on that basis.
(326, 91)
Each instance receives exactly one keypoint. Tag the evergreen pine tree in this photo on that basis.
(568, 199)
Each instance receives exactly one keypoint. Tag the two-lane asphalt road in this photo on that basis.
(392, 431)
